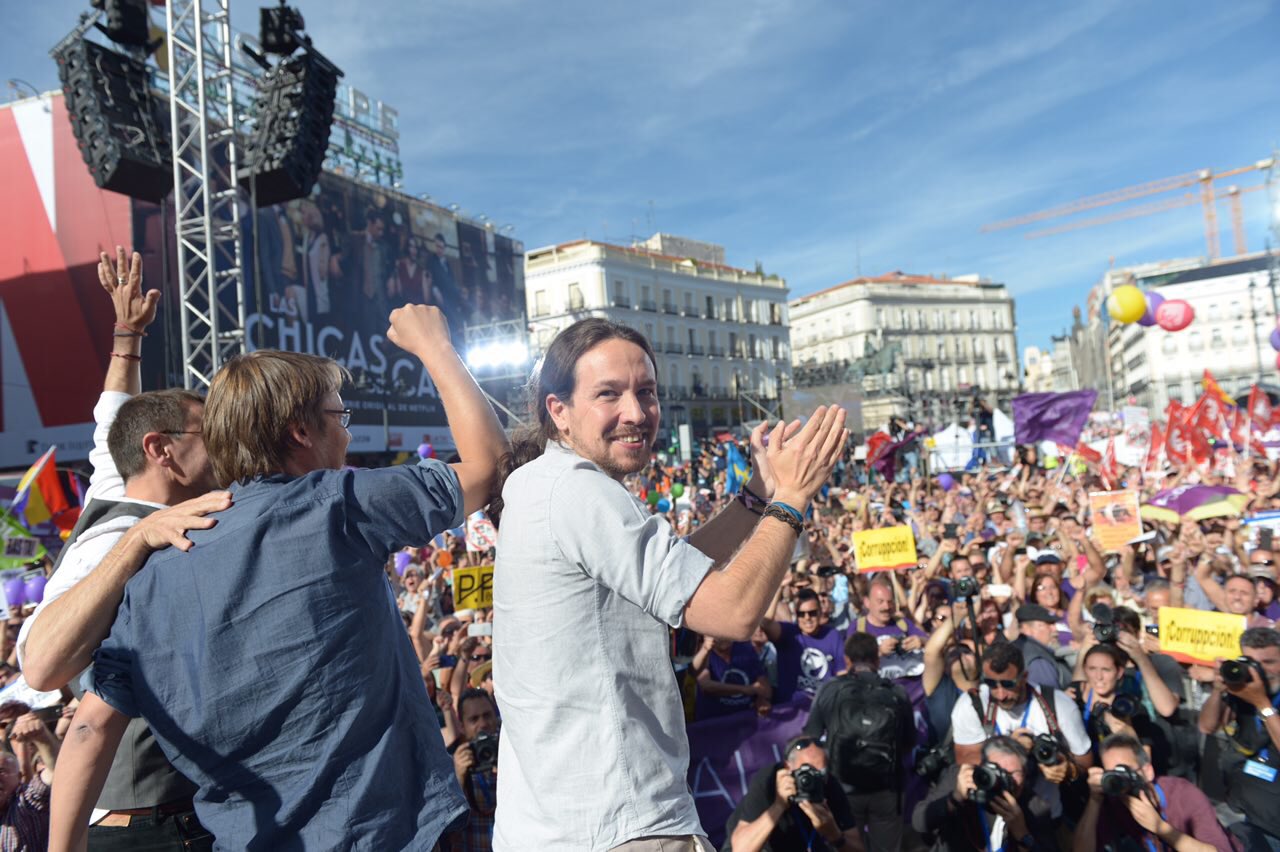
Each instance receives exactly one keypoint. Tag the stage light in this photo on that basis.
(499, 353)
(116, 121)
(279, 29)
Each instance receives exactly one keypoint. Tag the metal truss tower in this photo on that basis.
(210, 256)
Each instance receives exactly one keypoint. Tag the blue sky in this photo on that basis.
(820, 138)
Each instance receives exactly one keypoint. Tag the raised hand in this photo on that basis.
(803, 463)
(169, 527)
(760, 456)
(419, 329)
(124, 284)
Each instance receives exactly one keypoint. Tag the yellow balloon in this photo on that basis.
(1126, 304)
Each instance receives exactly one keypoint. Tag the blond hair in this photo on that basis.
(254, 401)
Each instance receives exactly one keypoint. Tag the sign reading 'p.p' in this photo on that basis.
(887, 549)
(473, 587)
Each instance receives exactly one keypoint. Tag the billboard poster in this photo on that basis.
(330, 268)
(1116, 518)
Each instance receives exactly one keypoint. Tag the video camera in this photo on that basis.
(811, 784)
(989, 781)
(931, 762)
(1122, 781)
(1123, 707)
(485, 749)
(1236, 672)
(965, 587)
(1105, 629)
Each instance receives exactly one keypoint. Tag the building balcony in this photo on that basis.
(621, 302)
(695, 349)
(715, 351)
(673, 348)
(677, 392)
(709, 313)
(577, 304)
(719, 393)
(649, 305)
(699, 392)
(670, 308)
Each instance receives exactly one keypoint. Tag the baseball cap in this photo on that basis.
(1034, 612)
(1048, 557)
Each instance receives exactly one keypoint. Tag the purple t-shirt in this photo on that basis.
(1273, 610)
(743, 668)
(900, 663)
(805, 662)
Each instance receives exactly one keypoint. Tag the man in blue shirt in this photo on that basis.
(266, 651)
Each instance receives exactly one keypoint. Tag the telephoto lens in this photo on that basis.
(989, 781)
(1124, 707)
(1236, 672)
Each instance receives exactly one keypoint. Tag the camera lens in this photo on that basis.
(1124, 707)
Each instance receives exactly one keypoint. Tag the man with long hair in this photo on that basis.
(588, 582)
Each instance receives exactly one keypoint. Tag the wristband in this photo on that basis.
(126, 356)
(790, 510)
(132, 332)
(751, 501)
(775, 511)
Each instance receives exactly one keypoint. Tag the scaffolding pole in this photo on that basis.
(210, 268)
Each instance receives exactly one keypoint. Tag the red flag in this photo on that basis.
(1157, 447)
(1201, 452)
(1110, 470)
(1088, 453)
(875, 446)
(1240, 428)
(1260, 408)
(1177, 441)
(1209, 415)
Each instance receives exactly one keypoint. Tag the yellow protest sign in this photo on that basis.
(1115, 518)
(473, 587)
(1197, 636)
(887, 549)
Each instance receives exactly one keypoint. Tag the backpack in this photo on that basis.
(865, 729)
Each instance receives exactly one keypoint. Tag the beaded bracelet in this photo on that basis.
(775, 511)
(790, 510)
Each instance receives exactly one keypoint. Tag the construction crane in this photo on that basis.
(1206, 195)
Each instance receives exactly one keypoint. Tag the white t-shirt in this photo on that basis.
(967, 729)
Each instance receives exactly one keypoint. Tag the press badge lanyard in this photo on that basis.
(1164, 806)
(986, 830)
(1088, 707)
(995, 722)
(1258, 767)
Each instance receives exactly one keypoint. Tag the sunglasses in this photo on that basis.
(480, 658)
(807, 613)
(802, 743)
(1264, 562)
(992, 683)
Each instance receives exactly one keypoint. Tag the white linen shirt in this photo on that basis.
(95, 543)
(593, 751)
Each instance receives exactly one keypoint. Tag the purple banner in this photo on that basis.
(1057, 417)
(725, 752)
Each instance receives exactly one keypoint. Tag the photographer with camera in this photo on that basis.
(1044, 720)
(870, 729)
(1109, 706)
(1130, 808)
(475, 763)
(991, 805)
(794, 805)
(1246, 694)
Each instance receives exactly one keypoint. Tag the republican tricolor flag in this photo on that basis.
(40, 496)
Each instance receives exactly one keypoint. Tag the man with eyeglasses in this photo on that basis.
(267, 652)
(776, 816)
(809, 651)
(148, 454)
(1013, 707)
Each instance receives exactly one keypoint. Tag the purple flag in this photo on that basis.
(1057, 417)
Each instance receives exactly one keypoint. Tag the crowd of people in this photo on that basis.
(253, 683)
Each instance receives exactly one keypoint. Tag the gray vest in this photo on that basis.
(140, 775)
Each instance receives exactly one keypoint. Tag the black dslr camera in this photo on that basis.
(1104, 624)
(965, 587)
(1236, 672)
(1045, 749)
(1122, 781)
(989, 781)
(811, 784)
(931, 762)
(485, 748)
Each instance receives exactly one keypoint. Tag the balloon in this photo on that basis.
(1175, 315)
(677, 489)
(426, 451)
(664, 505)
(444, 558)
(947, 481)
(1154, 301)
(1126, 304)
(15, 592)
(34, 588)
(402, 562)
(653, 498)
(1275, 339)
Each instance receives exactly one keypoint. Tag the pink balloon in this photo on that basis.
(1175, 315)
